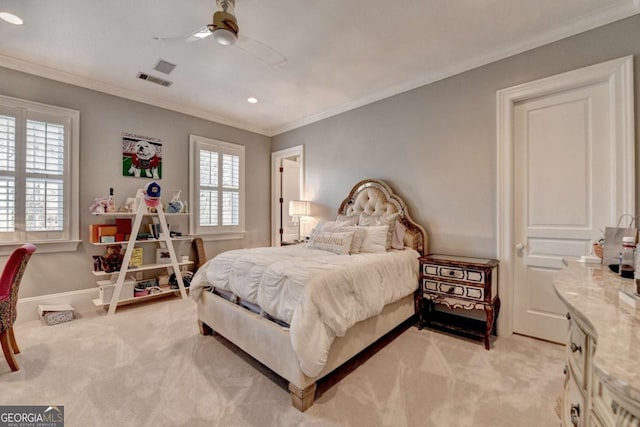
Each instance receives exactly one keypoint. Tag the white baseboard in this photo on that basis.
(80, 300)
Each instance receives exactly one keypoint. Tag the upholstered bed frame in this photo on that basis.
(270, 343)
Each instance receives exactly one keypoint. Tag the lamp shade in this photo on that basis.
(299, 208)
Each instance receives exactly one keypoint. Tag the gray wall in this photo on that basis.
(436, 145)
(103, 119)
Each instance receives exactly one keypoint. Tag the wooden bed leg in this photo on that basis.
(204, 328)
(302, 399)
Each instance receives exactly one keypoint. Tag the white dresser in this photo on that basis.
(602, 386)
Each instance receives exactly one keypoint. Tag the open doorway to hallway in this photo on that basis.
(287, 183)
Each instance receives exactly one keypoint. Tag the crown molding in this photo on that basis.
(621, 10)
(103, 87)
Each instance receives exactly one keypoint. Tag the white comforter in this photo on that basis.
(319, 294)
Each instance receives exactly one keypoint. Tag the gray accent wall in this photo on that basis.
(436, 145)
(103, 119)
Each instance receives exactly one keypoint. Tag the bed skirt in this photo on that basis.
(270, 344)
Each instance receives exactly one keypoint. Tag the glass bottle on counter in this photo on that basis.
(627, 257)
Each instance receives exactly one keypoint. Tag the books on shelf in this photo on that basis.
(136, 257)
(109, 233)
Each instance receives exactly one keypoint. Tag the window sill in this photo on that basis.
(43, 246)
(235, 235)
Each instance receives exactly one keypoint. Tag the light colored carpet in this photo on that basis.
(149, 366)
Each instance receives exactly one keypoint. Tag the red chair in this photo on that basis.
(9, 284)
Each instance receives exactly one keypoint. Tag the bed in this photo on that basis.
(268, 301)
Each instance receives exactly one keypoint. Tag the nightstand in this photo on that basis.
(458, 283)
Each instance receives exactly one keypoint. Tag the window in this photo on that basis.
(38, 180)
(217, 188)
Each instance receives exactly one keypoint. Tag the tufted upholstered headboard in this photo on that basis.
(375, 197)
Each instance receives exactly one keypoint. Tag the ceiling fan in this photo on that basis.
(225, 31)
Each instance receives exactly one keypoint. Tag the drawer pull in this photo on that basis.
(568, 316)
(575, 347)
(575, 414)
(451, 272)
(451, 289)
(565, 370)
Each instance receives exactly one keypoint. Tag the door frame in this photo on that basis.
(276, 157)
(618, 74)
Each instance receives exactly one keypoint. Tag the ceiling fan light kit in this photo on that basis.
(225, 26)
(225, 31)
(224, 37)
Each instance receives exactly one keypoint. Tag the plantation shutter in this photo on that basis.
(218, 186)
(7, 173)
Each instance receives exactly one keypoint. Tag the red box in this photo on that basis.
(123, 225)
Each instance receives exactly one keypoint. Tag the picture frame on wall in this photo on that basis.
(141, 156)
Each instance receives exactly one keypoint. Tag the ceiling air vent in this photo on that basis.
(156, 80)
(164, 66)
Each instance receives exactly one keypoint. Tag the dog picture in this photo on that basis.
(141, 157)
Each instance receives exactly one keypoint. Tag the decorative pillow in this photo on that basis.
(358, 237)
(338, 243)
(375, 239)
(322, 226)
(389, 220)
(346, 220)
(358, 234)
(397, 239)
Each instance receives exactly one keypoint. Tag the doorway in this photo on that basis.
(566, 169)
(287, 183)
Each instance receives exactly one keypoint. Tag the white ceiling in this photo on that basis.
(341, 54)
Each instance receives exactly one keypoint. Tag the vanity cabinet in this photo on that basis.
(602, 383)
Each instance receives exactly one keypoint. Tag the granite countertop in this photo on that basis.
(591, 293)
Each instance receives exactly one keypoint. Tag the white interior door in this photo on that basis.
(290, 191)
(563, 153)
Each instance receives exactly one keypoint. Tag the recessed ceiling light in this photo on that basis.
(252, 100)
(11, 18)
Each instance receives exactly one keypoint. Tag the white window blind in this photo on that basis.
(38, 181)
(7, 168)
(217, 184)
(44, 168)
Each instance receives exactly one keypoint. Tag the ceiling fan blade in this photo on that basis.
(193, 36)
(262, 51)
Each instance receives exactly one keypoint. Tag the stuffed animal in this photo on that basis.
(100, 205)
(130, 204)
(113, 260)
(175, 205)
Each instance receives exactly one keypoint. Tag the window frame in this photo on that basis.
(69, 239)
(219, 232)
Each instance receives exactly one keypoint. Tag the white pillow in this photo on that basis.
(358, 234)
(397, 239)
(338, 243)
(346, 220)
(375, 239)
(322, 226)
(389, 220)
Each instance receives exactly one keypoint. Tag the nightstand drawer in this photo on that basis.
(453, 289)
(456, 273)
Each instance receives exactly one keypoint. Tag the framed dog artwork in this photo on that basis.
(141, 156)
